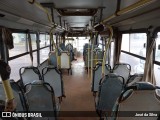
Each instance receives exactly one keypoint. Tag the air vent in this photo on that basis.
(2, 15)
(76, 11)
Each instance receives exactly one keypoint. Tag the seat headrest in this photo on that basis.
(39, 82)
(145, 86)
(99, 63)
(112, 75)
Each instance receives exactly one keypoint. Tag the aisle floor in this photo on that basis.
(79, 100)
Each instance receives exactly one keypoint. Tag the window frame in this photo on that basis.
(133, 31)
(26, 41)
(155, 32)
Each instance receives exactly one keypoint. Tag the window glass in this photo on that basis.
(47, 40)
(44, 54)
(16, 64)
(54, 38)
(19, 40)
(74, 43)
(157, 52)
(156, 72)
(23, 61)
(42, 38)
(125, 42)
(70, 41)
(112, 52)
(100, 43)
(78, 42)
(157, 58)
(34, 38)
(35, 58)
(100, 46)
(137, 65)
(138, 43)
(81, 41)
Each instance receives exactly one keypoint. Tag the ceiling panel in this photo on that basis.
(21, 8)
(126, 3)
(22, 12)
(77, 21)
(74, 3)
(81, 21)
(138, 12)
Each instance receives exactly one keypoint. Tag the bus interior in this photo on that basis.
(82, 59)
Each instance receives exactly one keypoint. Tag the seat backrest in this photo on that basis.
(29, 74)
(69, 47)
(142, 98)
(41, 97)
(43, 65)
(18, 94)
(97, 75)
(65, 60)
(85, 47)
(110, 89)
(133, 79)
(53, 76)
(123, 70)
(52, 59)
(100, 55)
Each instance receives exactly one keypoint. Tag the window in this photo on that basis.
(21, 46)
(137, 66)
(134, 43)
(138, 44)
(47, 40)
(157, 58)
(44, 40)
(156, 73)
(80, 43)
(77, 43)
(19, 40)
(125, 42)
(157, 52)
(35, 58)
(34, 39)
(112, 52)
(44, 54)
(70, 41)
(16, 64)
(100, 43)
